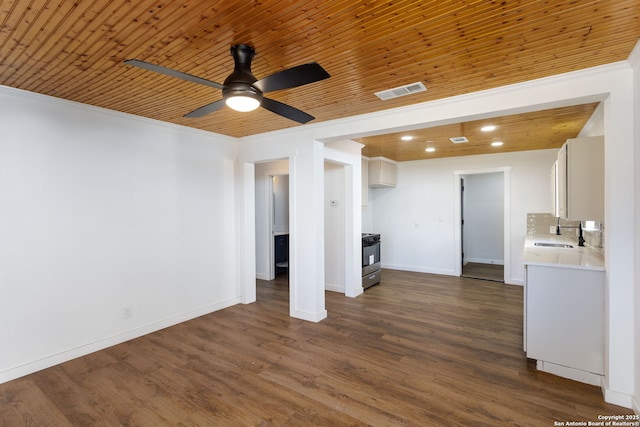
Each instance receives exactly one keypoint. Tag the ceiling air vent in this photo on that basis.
(409, 89)
(458, 139)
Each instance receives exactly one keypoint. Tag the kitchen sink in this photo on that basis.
(553, 245)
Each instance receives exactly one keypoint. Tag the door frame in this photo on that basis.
(272, 220)
(506, 171)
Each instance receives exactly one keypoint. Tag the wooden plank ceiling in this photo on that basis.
(75, 50)
(519, 132)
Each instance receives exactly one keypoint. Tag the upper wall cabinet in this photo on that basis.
(580, 177)
(382, 173)
(553, 174)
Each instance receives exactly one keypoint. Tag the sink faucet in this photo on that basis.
(579, 227)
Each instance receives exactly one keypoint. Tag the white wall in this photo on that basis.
(635, 61)
(102, 211)
(281, 204)
(334, 227)
(484, 218)
(424, 198)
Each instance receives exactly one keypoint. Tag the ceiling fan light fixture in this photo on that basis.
(241, 96)
(242, 103)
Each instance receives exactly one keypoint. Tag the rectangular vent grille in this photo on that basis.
(459, 140)
(401, 91)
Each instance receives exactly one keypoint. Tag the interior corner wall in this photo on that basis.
(112, 226)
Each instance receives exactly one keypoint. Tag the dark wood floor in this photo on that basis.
(416, 350)
(476, 270)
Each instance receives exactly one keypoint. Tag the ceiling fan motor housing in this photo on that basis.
(240, 81)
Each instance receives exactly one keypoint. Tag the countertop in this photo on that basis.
(583, 258)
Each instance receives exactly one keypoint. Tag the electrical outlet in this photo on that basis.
(127, 312)
(552, 229)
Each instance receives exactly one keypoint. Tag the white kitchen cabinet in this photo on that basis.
(564, 321)
(580, 177)
(382, 173)
(553, 181)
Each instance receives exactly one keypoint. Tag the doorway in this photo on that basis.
(483, 217)
(271, 217)
(280, 224)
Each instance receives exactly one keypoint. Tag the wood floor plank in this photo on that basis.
(416, 350)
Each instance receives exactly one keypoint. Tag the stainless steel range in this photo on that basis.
(371, 273)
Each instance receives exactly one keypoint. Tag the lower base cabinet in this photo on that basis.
(564, 321)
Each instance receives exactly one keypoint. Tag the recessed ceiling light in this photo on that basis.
(429, 149)
(488, 128)
(497, 143)
(406, 138)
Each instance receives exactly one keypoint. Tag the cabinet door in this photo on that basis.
(585, 179)
(553, 182)
(565, 317)
(382, 173)
(388, 174)
(562, 182)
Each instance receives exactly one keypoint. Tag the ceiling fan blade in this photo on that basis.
(173, 73)
(206, 109)
(292, 77)
(286, 111)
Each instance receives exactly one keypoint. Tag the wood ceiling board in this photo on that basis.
(520, 132)
(75, 50)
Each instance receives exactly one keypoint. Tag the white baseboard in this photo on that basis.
(618, 398)
(485, 261)
(73, 353)
(570, 373)
(311, 317)
(334, 288)
(262, 276)
(418, 269)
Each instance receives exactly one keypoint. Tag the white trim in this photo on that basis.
(37, 97)
(246, 231)
(484, 261)
(617, 398)
(311, 317)
(334, 288)
(570, 373)
(418, 269)
(506, 170)
(55, 359)
(635, 405)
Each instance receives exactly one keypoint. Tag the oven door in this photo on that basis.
(370, 258)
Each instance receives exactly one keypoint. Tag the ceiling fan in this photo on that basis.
(241, 91)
